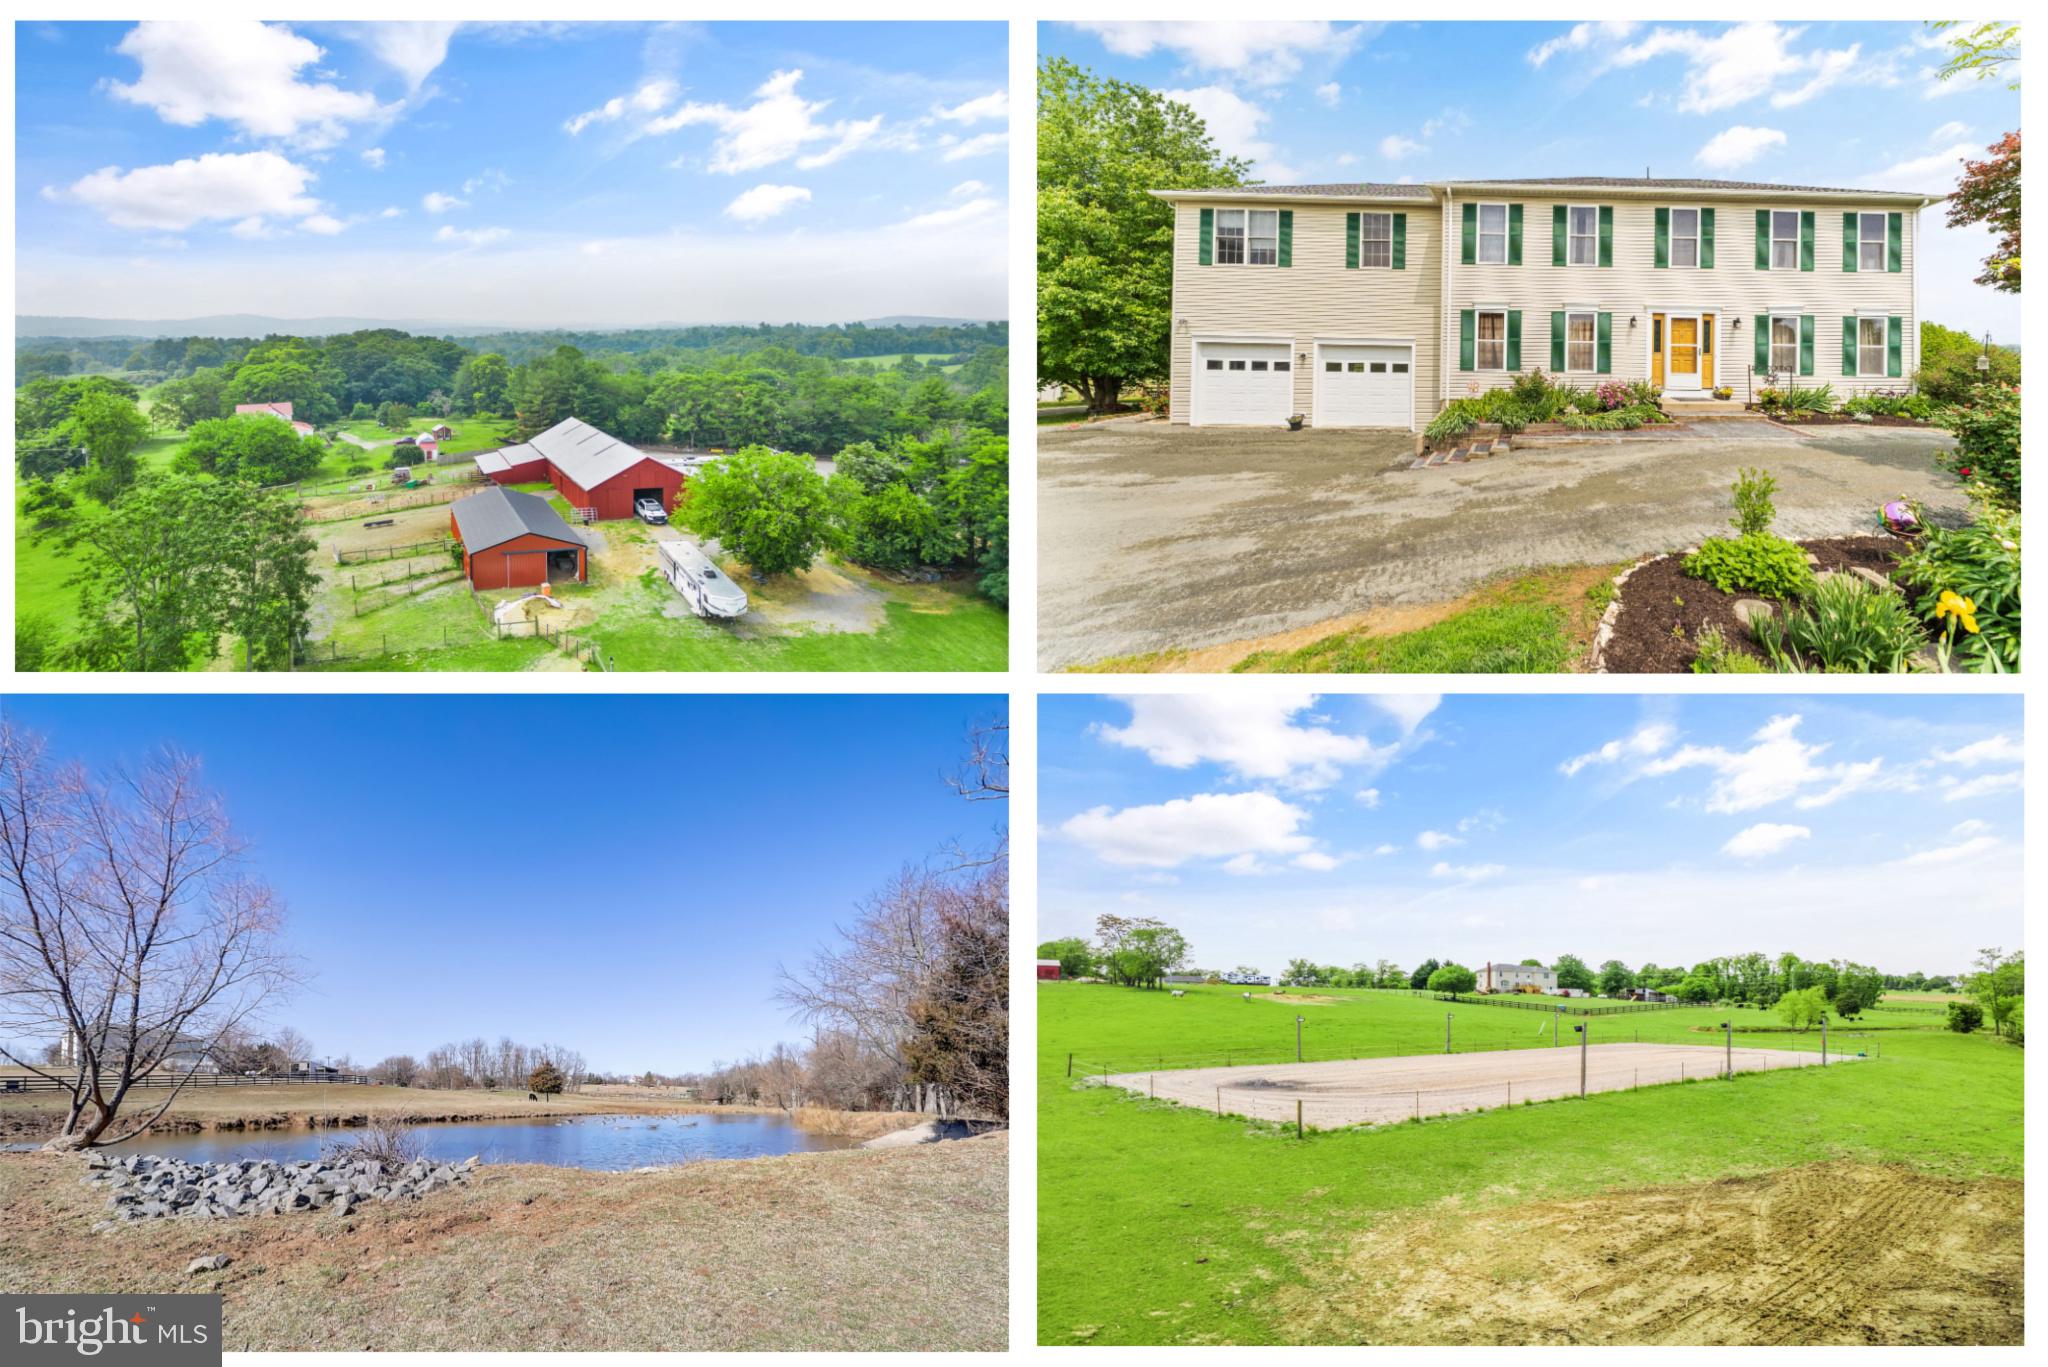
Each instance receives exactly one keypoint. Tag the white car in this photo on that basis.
(650, 510)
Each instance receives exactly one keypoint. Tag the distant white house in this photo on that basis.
(1515, 977)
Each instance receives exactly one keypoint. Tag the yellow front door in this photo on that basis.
(1683, 361)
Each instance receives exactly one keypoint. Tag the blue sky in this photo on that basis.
(515, 173)
(1834, 104)
(1665, 828)
(619, 875)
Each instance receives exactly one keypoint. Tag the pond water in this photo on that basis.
(611, 1143)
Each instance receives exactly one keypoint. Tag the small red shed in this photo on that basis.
(1048, 970)
(514, 540)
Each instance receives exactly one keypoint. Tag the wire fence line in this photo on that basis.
(1328, 1107)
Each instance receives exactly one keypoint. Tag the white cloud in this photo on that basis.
(988, 108)
(959, 213)
(1979, 787)
(373, 157)
(324, 224)
(1738, 146)
(1581, 36)
(1945, 165)
(413, 48)
(968, 189)
(1394, 147)
(489, 179)
(1469, 873)
(472, 237)
(216, 187)
(1256, 737)
(766, 201)
(1645, 740)
(1260, 52)
(1316, 861)
(434, 202)
(1485, 819)
(1951, 854)
(1368, 798)
(1952, 129)
(1999, 749)
(1778, 767)
(1234, 123)
(980, 145)
(1766, 837)
(1746, 61)
(242, 72)
(1236, 827)
(392, 211)
(1436, 840)
(1386, 849)
(1596, 883)
(1330, 94)
(1970, 827)
(778, 126)
(649, 97)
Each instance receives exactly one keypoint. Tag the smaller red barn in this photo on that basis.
(1048, 970)
(514, 540)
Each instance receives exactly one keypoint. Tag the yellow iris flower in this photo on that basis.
(1953, 604)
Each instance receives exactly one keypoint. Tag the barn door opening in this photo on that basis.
(562, 566)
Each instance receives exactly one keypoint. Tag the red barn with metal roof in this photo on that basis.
(589, 468)
(514, 540)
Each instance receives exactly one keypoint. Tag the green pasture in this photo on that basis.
(1162, 1224)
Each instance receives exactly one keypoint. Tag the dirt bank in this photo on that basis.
(899, 1250)
(1833, 1253)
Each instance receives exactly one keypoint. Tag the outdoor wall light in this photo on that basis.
(1631, 322)
(1736, 326)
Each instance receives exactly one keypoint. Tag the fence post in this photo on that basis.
(1219, 1103)
(1070, 1065)
(1152, 1086)
(1299, 1132)
(1418, 1104)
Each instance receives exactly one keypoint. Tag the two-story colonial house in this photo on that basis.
(1374, 305)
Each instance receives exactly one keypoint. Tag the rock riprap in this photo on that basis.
(142, 1187)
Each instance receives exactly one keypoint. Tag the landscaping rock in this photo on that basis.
(143, 1188)
(1751, 609)
(212, 1262)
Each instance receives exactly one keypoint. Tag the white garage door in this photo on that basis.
(1364, 386)
(1243, 384)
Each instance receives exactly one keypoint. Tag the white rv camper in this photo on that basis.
(709, 593)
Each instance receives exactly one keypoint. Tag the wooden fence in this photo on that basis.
(32, 1083)
(362, 555)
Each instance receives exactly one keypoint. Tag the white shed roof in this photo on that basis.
(584, 454)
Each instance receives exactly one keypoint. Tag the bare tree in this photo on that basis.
(292, 1048)
(128, 928)
(960, 1022)
(400, 1070)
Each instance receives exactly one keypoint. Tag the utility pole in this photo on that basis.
(1585, 1037)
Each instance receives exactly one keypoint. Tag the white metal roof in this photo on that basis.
(584, 454)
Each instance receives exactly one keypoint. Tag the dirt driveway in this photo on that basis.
(1154, 537)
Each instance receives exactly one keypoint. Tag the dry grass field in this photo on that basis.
(901, 1249)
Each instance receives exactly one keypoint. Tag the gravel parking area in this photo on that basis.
(1154, 537)
(1381, 1090)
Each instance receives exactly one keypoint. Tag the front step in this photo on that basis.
(1463, 452)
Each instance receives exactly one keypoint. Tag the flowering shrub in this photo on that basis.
(1987, 443)
(1888, 403)
(1971, 578)
(1612, 394)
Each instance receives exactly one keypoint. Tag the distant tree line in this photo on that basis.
(478, 1063)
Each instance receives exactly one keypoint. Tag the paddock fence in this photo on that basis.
(30, 1083)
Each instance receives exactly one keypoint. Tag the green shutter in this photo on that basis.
(1607, 234)
(1849, 347)
(1557, 344)
(1351, 242)
(1400, 242)
(1557, 256)
(1706, 239)
(1806, 240)
(1471, 237)
(1514, 339)
(1806, 345)
(1514, 234)
(1468, 338)
(1849, 245)
(1287, 237)
(1603, 336)
(1894, 242)
(1663, 258)
(1763, 239)
(1894, 346)
(1208, 237)
(1763, 341)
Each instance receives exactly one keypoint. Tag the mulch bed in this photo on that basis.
(1844, 420)
(1660, 601)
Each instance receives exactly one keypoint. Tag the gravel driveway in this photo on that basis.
(1153, 537)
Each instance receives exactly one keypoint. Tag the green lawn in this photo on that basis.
(922, 357)
(972, 634)
(1159, 1224)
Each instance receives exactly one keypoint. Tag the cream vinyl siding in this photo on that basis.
(1633, 287)
(1317, 298)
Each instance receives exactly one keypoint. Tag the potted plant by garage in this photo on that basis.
(1724, 392)
(1294, 423)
